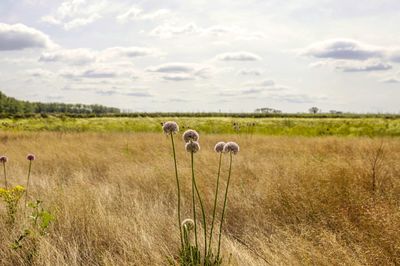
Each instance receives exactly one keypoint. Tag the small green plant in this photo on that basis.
(11, 198)
(191, 253)
(27, 242)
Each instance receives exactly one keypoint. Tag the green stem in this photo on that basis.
(194, 205)
(215, 203)
(178, 188)
(202, 209)
(223, 209)
(5, 175)
(27, 182)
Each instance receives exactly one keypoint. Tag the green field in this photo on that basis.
(379, 126)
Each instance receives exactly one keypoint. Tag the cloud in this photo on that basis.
(238, 56)
(111, 91)
(177, 71)
(70, 56)
(77, 13)
(296, 98)
(169, 31)
(129, 52)
(343, 49)
(173, 68)
(391, 80)
(394, 55)
(262, 83)
(374, 66)
(354, 65)
(116, 91)
(249, 72)
(40, 73)
(83, 56)
(19, 37)
(98, 72)
(135, 13)
(178, 77)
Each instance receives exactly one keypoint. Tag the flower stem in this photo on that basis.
(194, 205)
(223, 208)
(27, 182)
(5, 175)
(215, 203)
(202, 208)
(178, 188)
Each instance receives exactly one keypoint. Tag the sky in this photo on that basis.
(198, 55)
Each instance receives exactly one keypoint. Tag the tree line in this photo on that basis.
(12, 106)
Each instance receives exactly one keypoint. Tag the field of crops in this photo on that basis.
(108, 192)
(215, 125)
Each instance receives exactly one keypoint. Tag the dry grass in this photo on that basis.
(293, 200)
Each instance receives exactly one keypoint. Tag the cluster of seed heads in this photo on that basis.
(170, 127)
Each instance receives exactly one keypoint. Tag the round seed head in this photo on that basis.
(231, 147)
(190, 135)
(3, 159)
(30, 157)
(188, 224)
(219, 147)
(170, 127)
(192, 146)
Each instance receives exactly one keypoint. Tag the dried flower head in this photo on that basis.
(30, 157)
(3, 159)
(219, 147)
(190, 135)
(170, 127)
(188, 224)
(231, 147)
(192, 146)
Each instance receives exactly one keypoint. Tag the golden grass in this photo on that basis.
(292, 201)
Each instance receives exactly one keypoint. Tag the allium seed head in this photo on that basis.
(188, 224)
(170, 127)
(3, 159)
(219, 147)
(30, 157)
(190, 135)
(231, 147)
(192, 146)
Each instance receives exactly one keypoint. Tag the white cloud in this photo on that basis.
(365, 67)
(135, 13)
(69, 56)
(177, 71)
(86, 56)
(174, 68)
(250, 72)
(354, 65)
(391, 80)
(344, 49)
(169, 31)
(40, 73)
(19, 37)
(129, 52)
(238, 56)
(178, 77)
(76, 13)
(100, 71)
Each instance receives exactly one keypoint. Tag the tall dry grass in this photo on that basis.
(292, 201)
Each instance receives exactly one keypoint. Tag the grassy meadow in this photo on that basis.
(278, 126)
(301, 190)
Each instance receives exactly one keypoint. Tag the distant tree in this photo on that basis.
(313, 110)
(11, 106)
